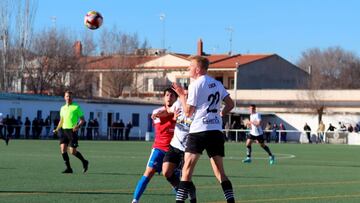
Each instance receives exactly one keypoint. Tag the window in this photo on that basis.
(117, 116)
(231, 83)
(184, 82)
(91, 117)
(156, 84)
(149, 84)
(135, 119)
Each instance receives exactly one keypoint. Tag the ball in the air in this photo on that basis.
(93, 20)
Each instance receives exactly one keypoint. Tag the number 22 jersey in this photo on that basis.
(206, 95)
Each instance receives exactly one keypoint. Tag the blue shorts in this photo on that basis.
(156, 159)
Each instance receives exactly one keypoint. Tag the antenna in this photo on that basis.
(230, 30)
(162, 19)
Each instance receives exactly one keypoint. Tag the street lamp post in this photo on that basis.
(235, 84)
(235, 87)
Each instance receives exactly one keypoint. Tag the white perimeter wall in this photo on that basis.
(296, 121)
(29, 109)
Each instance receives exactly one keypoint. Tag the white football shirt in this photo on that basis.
(256, 130)
(181, 128)
(206, 95)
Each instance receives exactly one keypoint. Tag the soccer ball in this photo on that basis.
(93, 20)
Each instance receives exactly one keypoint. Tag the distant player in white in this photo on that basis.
(256, 134)
(204, 103)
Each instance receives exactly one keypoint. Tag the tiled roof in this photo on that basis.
(216, 61)
(230, 61)
(116, 61)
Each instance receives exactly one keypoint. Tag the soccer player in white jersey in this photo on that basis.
(174, 158)
(256, 134)
(204, 104)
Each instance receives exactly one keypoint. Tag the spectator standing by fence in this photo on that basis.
(114, 130)
(47, 125)
(357, 128)
(18, 123)
(283, 133)
(27, 127)
(89, 129)
(127, 130)
(331, 128)
(96, 129)
(307, 130)
(267, 132)
(274, 133)
(320, 131)
(10, 124)
(121, 129)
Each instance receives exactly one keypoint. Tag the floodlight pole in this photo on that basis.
(162, 19)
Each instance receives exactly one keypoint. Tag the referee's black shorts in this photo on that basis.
(69, 138)
(213, 141)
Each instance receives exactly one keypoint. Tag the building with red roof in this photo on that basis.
(152, 73)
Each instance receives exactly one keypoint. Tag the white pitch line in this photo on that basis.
(277, 156)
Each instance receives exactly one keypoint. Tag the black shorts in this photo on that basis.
(213, 141)
(175, 156)
(259, 138)
(69, 138)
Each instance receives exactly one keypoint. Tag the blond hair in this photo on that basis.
(202, 61)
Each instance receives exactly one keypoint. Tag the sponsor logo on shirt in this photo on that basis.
(211, 120)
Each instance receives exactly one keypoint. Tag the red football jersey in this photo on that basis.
(164, 130)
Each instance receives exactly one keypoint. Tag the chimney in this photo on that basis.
(200, 47)
(78, 49)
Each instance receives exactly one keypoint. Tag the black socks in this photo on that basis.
(228, 191)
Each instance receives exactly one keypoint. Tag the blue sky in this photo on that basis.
(285, 27)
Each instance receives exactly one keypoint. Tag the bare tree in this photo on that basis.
(116, 42)
(121, 47)
(88, 43)
(25, 20)
(121, 75)
(6, 8)
(332, 68)
(56, 66)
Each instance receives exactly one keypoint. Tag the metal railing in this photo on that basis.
(280, 136)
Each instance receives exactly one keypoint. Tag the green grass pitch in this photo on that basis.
(30, 171)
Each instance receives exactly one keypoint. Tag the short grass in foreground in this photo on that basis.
(30, 171)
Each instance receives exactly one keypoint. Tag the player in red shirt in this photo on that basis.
(164, 131)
